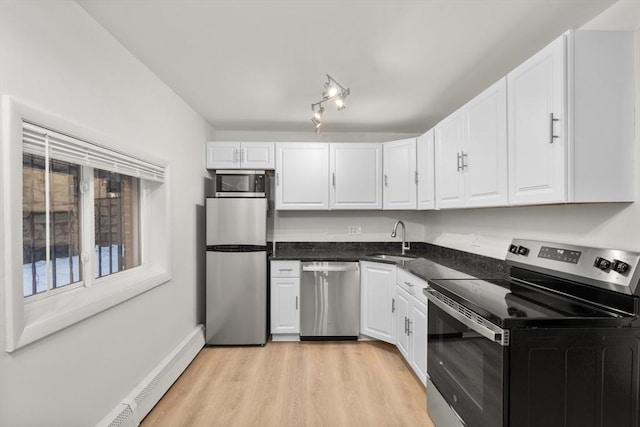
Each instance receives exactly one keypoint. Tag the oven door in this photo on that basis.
(467, 368)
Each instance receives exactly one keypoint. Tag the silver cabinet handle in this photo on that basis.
(462, 157)
(333, 179)
(552, 137)
(386, 180)
(393, 305)
(277, 178)
(242, 155)
(458, 158)
(235, 155)
(409, 284)
(285, 269)
(296, 302)
(416, 173)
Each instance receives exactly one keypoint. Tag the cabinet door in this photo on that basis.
(378, 306)
(418, 334)
(403, 318)
(356, 176)
(302, 176)
(485, 148)
(399, 191)
(536, 94)
(426, 170)
(223, 155)
(285, 315)
(449, 137)
(257, 155)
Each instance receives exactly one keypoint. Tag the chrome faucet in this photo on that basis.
(405, 245)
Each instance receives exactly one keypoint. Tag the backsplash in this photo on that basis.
(446, 256)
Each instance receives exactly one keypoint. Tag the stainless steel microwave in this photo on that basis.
(240, 183)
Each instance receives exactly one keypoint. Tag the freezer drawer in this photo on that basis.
(330, 300)
(236, 298)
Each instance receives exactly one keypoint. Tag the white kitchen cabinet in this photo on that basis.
(356, 175)
(471, 152)
(240, 155)
(400, 174)
(285, 300)
(378, 304)
(449, 137)
(302, 176)
(485, 148)
(571, 121)
(403, 303)
(412, 322)
(418, 333)
(425, 159)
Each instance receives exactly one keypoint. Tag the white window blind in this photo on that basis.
(74, 150)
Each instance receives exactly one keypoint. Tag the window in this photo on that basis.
(50, 225)
(117, 246)
(89, 229)
(54, 246)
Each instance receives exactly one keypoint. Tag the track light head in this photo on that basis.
(334, 91)
(318, 113)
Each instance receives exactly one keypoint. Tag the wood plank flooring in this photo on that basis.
(295, 384)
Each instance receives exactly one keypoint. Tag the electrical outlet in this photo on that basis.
(475, 240)
(355, 229)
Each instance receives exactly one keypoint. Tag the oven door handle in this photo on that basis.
(477, 323)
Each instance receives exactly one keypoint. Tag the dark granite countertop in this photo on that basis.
(430, 262)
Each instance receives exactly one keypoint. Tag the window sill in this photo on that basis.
(47, 316)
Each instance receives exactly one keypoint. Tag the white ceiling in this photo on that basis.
(258, 65)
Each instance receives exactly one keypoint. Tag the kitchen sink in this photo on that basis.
(395, 258)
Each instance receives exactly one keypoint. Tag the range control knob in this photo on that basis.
(602, 263)
(513, 249)
(523, 251)
(620, 266)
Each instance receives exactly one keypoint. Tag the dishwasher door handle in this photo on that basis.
(330, 267)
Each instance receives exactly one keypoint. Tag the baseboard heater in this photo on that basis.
(131, 410)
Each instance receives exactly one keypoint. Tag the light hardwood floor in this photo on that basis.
(295, 384)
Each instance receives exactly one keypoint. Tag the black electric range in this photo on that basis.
(557, 344)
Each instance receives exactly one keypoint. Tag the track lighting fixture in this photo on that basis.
(333, 91)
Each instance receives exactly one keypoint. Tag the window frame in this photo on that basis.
(30, 319)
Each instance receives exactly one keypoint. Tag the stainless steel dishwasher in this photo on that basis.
(330, 301)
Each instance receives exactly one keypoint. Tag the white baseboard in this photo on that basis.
(139, 402)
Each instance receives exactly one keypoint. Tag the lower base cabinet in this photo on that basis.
(285, 296)
(378, 304)
(412, 324)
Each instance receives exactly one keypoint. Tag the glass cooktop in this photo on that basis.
(510, 304)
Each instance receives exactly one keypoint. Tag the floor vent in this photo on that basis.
(124, 418)
(131, 411)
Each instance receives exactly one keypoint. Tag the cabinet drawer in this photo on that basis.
(285, 268)
(412, 284)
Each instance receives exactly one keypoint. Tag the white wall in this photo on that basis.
(604, 225)
(55, 57)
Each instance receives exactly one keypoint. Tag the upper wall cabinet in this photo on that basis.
(400, 174)
(449, 142)
(356, 176)
(302, 176)
(571, 121)
(426, 170)
(471, 152)
(240, 155)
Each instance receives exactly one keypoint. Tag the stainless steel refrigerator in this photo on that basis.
(236, 278)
